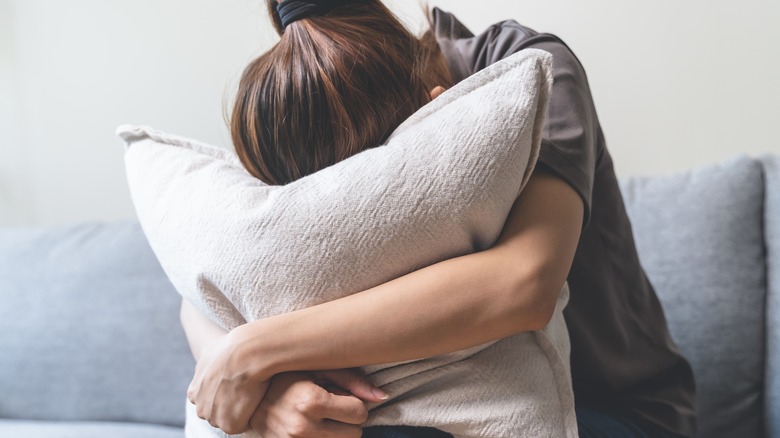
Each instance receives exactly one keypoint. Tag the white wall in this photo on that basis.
(677, 83)
(14, 208)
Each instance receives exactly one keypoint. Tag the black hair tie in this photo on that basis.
(291, 11)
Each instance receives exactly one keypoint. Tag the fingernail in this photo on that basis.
(380, 394)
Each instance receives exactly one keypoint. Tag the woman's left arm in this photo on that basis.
(509, 288)
(199, 330)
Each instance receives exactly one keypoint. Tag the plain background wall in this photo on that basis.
(677, 83)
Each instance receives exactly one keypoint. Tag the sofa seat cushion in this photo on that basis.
(85, 429)
(89, 327)
(700, 239)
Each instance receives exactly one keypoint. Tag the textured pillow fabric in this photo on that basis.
(440, 187)
(699, 237)
(89, 328)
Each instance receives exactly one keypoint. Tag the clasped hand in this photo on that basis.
(292, 404)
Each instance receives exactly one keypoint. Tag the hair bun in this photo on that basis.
(291, 11)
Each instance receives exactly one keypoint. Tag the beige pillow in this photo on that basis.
(440, 187)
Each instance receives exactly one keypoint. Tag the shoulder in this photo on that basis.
(448, 27)
(467, 53)
(572, 137)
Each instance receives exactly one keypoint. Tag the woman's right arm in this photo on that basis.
(448, 306)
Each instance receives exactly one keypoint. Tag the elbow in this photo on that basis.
(537, 298)
(544, 310)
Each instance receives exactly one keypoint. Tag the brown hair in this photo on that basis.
(333, 86)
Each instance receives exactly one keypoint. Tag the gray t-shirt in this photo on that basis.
(623, 358)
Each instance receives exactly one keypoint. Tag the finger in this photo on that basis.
(334, 429)
(341, 408)
(294, 414)
(356, 383)
(192, 388)
(233, 418)
(301, 427)
(236, 409)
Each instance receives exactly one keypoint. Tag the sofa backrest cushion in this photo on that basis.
(89, 327)
(772, 237)
(700, 239)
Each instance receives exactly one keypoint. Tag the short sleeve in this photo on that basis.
(572, 137)
(571, 134)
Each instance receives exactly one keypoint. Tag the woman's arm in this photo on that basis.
(200, 330)
(455, 304)
(510, 288)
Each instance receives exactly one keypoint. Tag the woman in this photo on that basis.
(629, 378)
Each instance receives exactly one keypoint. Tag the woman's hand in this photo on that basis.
(324, 404)
(302, 404)
(222, 391)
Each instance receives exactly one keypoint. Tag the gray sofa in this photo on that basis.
(90, 343)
